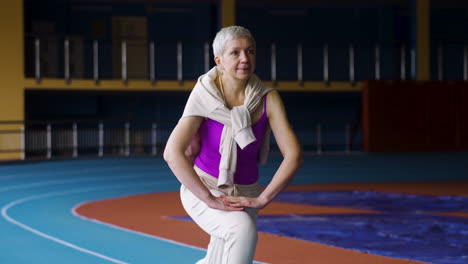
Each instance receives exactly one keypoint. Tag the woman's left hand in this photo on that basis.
(244, 202)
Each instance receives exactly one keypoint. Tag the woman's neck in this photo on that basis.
(232, 86)
(233, 91)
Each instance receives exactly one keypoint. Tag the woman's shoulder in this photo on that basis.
(273, 98)
(274, 104)
(192, 121)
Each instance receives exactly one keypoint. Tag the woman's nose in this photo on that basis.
(244, 56)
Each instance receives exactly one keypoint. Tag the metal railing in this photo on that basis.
(94, 138)
(73, 139)
(76, 57)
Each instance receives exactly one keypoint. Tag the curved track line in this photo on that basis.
(75, 213)
(5, 215)
(55, 182)
(54, 173)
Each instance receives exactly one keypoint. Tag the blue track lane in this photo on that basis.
(38, 225)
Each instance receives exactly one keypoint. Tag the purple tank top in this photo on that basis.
(247, 159)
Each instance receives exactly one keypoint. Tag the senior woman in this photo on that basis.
(215, 149)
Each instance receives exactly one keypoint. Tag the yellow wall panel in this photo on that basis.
(11, 73)
(140, 85)
(11, 141)
(228, 13)
(423, 40)
(11, 63)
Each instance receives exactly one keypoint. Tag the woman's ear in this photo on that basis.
(217, 60)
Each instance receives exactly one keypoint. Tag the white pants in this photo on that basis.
(233, 233)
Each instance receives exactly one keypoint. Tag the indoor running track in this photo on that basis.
(38, 202)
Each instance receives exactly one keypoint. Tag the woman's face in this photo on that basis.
(238, 59)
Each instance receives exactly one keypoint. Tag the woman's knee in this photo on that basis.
(243, 227)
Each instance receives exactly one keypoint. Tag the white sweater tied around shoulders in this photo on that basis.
(205, 100)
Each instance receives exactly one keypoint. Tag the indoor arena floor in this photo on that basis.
(341, 208)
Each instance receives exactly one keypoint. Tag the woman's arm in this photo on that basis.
(288, 145)
(290, 149)
(181, 164)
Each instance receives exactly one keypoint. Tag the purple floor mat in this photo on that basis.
(405, 226)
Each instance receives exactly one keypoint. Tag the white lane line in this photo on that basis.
(5, 215)
(75, 180)
(36, 172)
(75, 213)
(25, 175)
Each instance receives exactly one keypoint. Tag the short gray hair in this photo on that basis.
(229, 33)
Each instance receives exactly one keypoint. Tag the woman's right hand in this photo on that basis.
(218, 203)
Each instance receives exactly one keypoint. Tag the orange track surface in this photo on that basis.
(150, 213)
